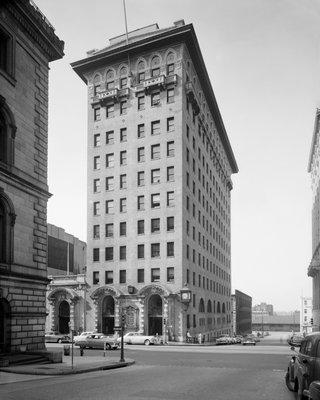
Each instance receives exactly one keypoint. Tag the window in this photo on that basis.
(95, 277)
(170, 124)
(96, 114)
(155, 200)
(155, 250)
(170, 199)
(110, 110)
(109, 207)
(110, 137)
(109, 277)
(187, 131)
(123, 134)
(123, 181)
(6, 52)
(170, 224)
(155, 152)
(140, 178)
(140, 227)
(170, 274)
(140, 250)
(141, 77)
(155, 72)
(109, 160)
(155, 175)
(123, 82)
(96, 140)
(109, 253)
(141, 132)
(170, 69)
(140, 276)
(155, 127)
(96, 208)
(155, 98)
(96, 185)
(109, 183)
(96, 231)
(170, 174)
(141, 103)
(123, 157)
(155, 225)
(141, 155)
(96, 162)
(170, 95)
(109, 230)
(170, 249)
(123, 205)
(123, 228)
(170, 149)
(122, 252)
(123, 107)
(140, 203)
(122, 276)
(96, 254)
(155, 274)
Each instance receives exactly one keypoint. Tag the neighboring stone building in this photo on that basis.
(306, 318)
(159, 187)
(314, 267)
(27, 45)
(66, 296)
(241, 305)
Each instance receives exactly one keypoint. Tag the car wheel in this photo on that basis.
(147, 342)
(59, 341)
(292, 386)
(108, 347)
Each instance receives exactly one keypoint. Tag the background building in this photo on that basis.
(241, 313)
(66, 295)
(27, 45)
(314, 267)
(306, 318)
(286, 323)
(159, 187)
(264, 308)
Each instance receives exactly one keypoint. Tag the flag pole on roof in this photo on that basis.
(127, 36)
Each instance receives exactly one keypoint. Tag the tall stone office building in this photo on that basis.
(27, 44)
(314, 267)
(159, 185)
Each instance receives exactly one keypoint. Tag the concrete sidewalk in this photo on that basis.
(80, 365)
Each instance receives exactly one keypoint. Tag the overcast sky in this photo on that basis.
(263, 59)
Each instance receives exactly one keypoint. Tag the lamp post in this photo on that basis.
(185, 298)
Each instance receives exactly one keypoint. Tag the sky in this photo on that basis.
(263, 59)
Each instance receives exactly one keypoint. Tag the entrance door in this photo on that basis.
(155, 315)
(108, 315)
(64, 317)
(5, 322)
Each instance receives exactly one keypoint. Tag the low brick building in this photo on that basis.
(241, 305)
(27, 45)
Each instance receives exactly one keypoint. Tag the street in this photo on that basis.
(175, 372)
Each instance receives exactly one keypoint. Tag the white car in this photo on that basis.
(82, 336)
(138, 338)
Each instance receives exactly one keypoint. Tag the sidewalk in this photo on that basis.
(80, 365)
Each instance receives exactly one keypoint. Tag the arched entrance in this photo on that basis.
(64, 317)
(108, 315)
(5, 322)
(155, 315)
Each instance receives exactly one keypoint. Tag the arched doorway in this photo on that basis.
(108, 315)
(5, 322)
(155, 315)
(64, 317)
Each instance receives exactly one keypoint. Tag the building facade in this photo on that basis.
(241, 305)
(67, 289)
(306, 318)
(159, 187)
(278, 322)
(266, 309)
(27, 45)
(314, 266)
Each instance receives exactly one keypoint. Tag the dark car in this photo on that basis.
(56, 337)
(304, 367)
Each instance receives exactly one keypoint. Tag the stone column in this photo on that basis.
(116, 311)
(141, 314)
(96, 313)
(72, 303)
(52, 315)
(165, 319)
(181, 322)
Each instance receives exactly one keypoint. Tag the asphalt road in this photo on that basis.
(171, 373)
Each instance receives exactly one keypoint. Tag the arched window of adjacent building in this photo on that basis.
(110, 79)
(223, 308)
(123, 77)
(3, 139)
(218, 307)
(7, 133)
(170, 63)
(209, 307)
(96, 84)
(201, 306)
(141, 71)
(7, 220)
(155, 66)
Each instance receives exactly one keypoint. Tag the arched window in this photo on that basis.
(7, 220)
(3, 236)
(218, 307)
(201, 306)
(110, 79)
(155, 66)
(141, 71)
(7, 133)
(123, 77)
(209, 307)
(96, 84)
(170, 63)
(223, 308)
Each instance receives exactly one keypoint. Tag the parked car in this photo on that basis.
(56, 337)
(225, 340)
(98, 341)
(138, 338)
(249, 340)
(239, 338)
(295, 340)
(81, 336)
(304, 367)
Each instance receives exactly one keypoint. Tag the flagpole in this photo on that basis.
(127, 36)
